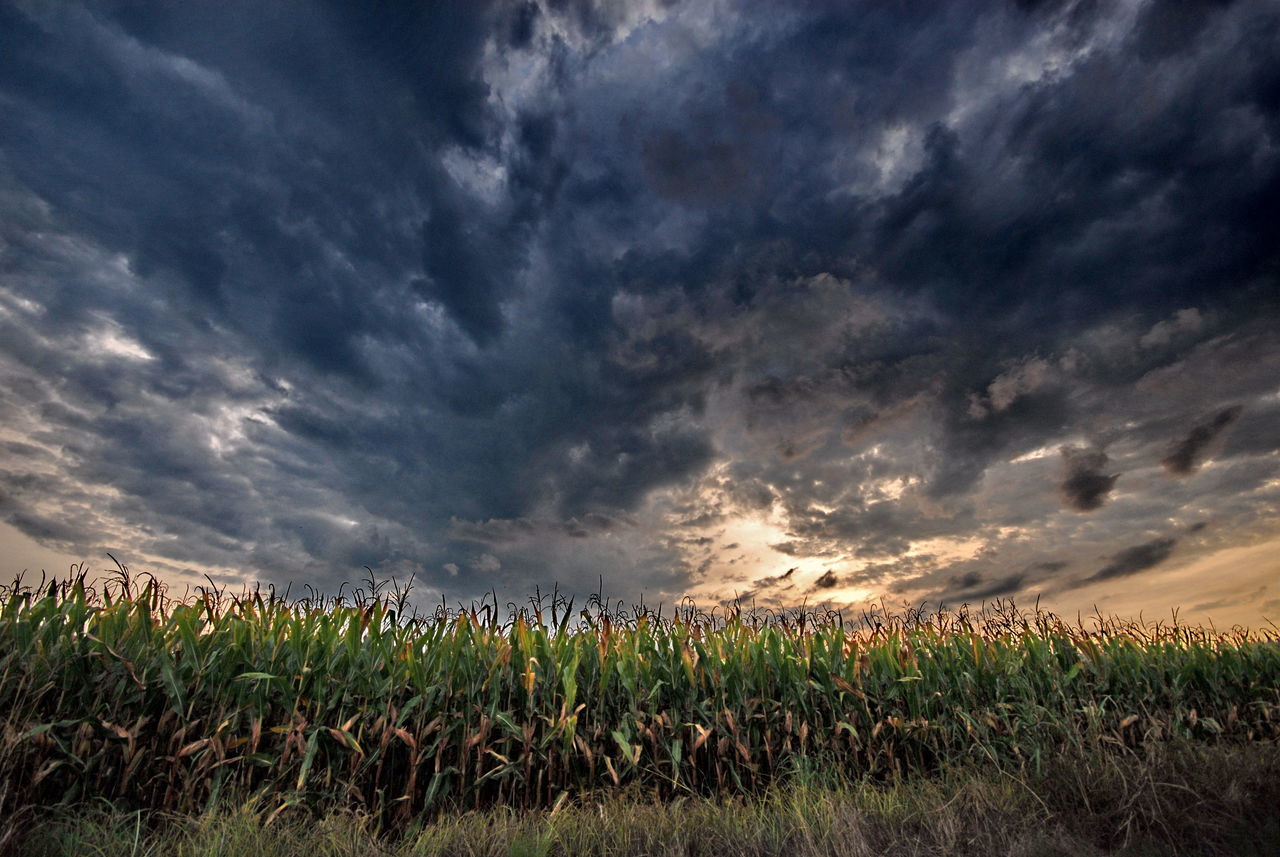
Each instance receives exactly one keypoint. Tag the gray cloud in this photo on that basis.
(1184, 457)
(773, 587)
(973, 587)
(1084, 486)
(827, 580)
(1256, 596)
(976, 580)
(1134, 559)
(572, 285)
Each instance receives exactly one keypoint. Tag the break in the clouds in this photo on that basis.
(799, 301)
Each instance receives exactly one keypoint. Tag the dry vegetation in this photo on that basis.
(360, 706)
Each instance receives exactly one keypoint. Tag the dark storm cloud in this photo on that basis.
(1084, 486)
(827, 580)
(1134, 559)
(1184, 458)
(414, 286)
(974, 581)
(973, 587)
(685, 170)
(345, 180)
(513, 529)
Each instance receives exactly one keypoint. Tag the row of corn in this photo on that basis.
(123, 693)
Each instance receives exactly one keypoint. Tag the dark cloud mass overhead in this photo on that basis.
(784, 300)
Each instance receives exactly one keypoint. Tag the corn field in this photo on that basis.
(116, 690)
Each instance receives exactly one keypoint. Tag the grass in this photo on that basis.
(1192, 800)
(359, 710)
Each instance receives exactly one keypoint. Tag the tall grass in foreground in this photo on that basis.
(120, 692)
(1177, 799)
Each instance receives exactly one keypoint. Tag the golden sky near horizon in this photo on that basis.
(1232, 586)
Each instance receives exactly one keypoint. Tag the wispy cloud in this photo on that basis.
(1185, 456)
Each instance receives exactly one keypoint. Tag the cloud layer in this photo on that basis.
(930, 302)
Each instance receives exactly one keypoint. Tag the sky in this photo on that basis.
(797, 303)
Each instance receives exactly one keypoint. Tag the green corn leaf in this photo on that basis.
(308, 757)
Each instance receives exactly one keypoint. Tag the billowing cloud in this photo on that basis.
(508, 293)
